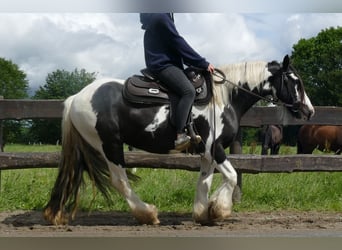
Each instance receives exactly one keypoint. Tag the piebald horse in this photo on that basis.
(97, 121)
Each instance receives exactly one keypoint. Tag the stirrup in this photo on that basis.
(195, 139)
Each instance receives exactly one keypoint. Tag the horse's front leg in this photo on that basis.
(221, 202)
(201, 203)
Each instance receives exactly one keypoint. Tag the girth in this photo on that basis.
(145, 89)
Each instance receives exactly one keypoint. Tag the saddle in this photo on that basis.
(145, 89)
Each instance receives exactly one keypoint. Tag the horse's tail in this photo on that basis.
(77, 156)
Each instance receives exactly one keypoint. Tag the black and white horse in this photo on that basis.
(97, 121)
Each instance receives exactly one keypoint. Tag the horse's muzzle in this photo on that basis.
(306, 111)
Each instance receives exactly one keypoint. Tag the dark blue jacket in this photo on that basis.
(163, 46)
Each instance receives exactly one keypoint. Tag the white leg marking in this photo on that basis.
(221, 202)
(143, 212)
(200, 210)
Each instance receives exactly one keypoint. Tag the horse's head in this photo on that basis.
(288, 87)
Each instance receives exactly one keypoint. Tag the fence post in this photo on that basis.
(236, 148)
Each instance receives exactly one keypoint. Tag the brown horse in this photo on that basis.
(324, 138)
(271, 137)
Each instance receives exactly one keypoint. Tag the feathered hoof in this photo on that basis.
(148, 217)
(55, 218)
(201, 217)
(218, 213)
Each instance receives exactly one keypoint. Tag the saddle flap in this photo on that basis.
(142, 89)
(142, 82)
(139, 86)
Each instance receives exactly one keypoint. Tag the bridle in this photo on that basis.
(219, 73)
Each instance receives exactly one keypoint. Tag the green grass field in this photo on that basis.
(173, 190)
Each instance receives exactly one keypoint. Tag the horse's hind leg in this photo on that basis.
(143, 212)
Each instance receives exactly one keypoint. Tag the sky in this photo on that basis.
(111, 44)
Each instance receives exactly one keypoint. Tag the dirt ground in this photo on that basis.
(122, 224)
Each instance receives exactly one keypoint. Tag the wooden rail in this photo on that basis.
(255, 117)
(140, 159)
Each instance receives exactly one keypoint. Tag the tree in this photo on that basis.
(318, 61)
(13, 82)
(13, 85)
(59, 85)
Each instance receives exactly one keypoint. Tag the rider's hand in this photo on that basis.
(211, 68)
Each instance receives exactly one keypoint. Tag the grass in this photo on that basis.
(173, 190)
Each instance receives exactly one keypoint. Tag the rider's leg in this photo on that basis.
(178, 83)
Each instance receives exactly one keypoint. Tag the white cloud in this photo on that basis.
(112, 44)
(221, 38)
(42, 43)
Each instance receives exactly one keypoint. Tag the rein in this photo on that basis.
(219, 73)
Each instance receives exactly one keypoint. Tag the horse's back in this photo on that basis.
(324, 137)
(323, 133)
(329, 137)
(81, 104)
(81, 107)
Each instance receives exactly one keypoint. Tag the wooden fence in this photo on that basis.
(139, 159)
(255, 117)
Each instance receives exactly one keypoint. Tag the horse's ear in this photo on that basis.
(286, 62)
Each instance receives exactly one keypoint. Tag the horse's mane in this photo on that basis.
(251, 73)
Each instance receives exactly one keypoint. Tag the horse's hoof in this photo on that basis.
(200, 216)
(147, 217)
(146, 220)
(218, 213)
(55, 219)
(203, 221)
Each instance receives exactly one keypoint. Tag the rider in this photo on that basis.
(165, 53)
